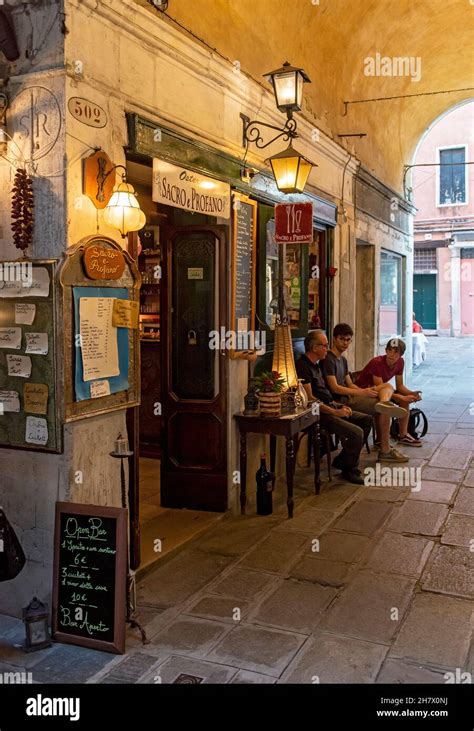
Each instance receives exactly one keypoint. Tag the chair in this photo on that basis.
(324, 435)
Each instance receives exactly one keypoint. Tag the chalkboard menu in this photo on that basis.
(90, 573)
(29, 368)
(244, 231)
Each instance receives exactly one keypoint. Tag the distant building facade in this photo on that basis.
(443, 282)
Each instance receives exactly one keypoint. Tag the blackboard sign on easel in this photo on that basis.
(90, 569)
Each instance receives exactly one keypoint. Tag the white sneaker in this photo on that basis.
(393, 455)
(389, 408)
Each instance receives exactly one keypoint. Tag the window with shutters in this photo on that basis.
(452, 176)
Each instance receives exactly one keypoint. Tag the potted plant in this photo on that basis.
(269, 387)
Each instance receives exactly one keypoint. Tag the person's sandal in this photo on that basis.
(410, 441)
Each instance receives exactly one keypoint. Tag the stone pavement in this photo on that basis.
(364, 585)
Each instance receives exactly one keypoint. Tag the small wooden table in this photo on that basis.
(287, 426)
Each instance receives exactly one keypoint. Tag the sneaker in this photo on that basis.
(410, 441)
(337, 464)
(390, 409)
(353, 475)
(393, 455)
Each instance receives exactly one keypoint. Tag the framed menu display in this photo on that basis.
(243, 276)
(100, 286)
(30, 371)
(90, 573)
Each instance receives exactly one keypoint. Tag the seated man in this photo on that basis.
(379, 371)
(351, 427)
(373, 400)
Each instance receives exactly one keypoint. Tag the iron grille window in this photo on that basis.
(425, 259)
(452, 176)
(467, 253)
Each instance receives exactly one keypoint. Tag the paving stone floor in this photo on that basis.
(364, 585)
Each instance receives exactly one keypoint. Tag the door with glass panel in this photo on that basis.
(194, 455)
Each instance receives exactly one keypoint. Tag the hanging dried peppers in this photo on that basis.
(22, 210)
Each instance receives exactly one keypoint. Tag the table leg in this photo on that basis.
(273, 457)
(243, 472)
(289, 475)
(317, 459)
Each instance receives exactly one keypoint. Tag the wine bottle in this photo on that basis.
(264, 489)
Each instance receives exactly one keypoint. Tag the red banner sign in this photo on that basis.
(293, 223)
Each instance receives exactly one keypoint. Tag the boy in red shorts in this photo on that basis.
(382, 369)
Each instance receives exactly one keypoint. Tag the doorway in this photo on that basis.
(179, 474)
(194, 452)
(424, 300)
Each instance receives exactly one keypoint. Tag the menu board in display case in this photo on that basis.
(244, 254)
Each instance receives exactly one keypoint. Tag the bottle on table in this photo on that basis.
(264, 489)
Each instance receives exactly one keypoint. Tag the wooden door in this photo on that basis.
(194, 454)
(424, 300)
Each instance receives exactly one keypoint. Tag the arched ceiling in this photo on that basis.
(331, 39)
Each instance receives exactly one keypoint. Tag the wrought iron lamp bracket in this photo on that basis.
(252, 131)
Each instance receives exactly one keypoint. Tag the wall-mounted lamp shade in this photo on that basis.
(283, 358)
(288, 87)
(291, 170)
(123, 210)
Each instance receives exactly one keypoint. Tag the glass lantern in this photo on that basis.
(36, 619)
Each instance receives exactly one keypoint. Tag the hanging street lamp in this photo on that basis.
(290, 170)
(287, 83)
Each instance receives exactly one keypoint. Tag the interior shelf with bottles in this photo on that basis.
(149, 263)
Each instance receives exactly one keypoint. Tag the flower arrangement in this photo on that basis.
(269, 381)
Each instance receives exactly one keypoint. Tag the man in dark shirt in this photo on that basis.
(350, 426)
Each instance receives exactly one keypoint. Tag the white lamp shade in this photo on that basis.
(123, 210)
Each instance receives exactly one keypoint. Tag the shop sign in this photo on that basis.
(293, 223)
(182, 188)
(101, 263)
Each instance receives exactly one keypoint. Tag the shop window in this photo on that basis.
(303, 278)
(452, 176)
(316, 273)
(391, 295)
(290, 256)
